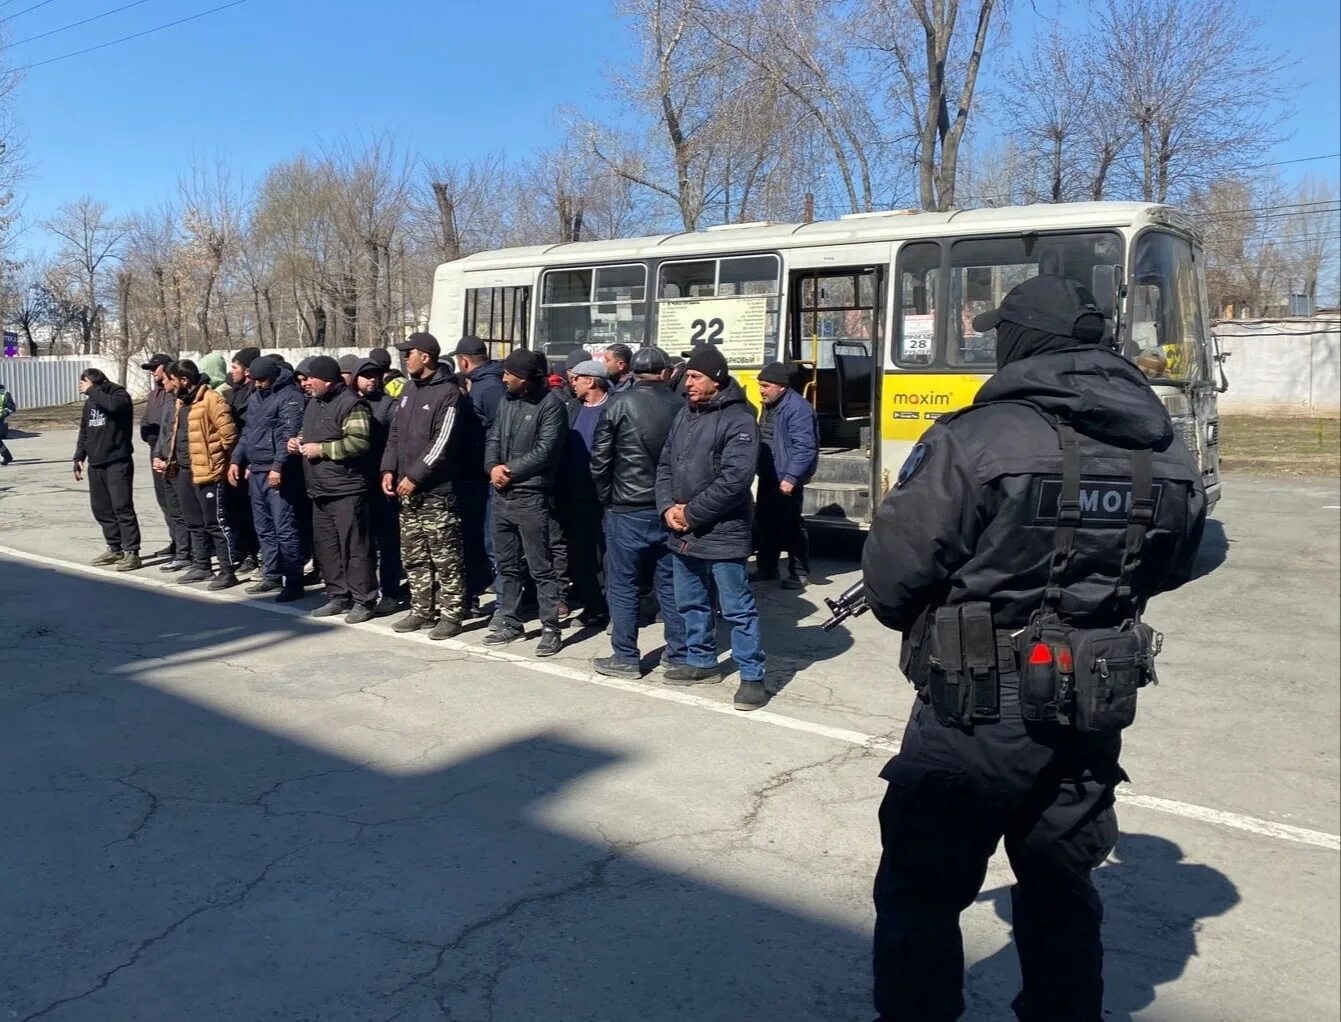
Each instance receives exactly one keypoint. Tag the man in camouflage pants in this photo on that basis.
(429, 447)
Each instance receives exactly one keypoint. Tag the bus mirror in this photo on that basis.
(1218, 355)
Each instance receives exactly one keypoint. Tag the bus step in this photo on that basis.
(853, 468)
(851, 501)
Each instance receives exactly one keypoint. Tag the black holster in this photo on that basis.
(955, 668)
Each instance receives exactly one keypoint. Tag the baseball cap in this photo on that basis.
(421, 341)
(1050, 303)
(156, 360)
(368, 367)
(470, 345)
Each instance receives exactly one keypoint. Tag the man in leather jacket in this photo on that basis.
(522, 455)
(624, 457)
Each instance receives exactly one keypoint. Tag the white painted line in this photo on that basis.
(1186, 810)
(1331, 507)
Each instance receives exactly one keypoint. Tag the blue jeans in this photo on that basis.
(693, 596)
(635, 541)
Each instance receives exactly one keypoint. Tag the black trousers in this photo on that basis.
(385, 513)
(778, 527)
(111, 493)
(584, 533)
(953, 794)
(240, 517)
(205, 512)
(343, 546)
(524, 531)
(174, 516)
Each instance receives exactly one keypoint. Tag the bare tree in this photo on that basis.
(12, 167)
(1311, 225)
(211, 228)
(1048, 101)
(1201, 92)
(90, 241)
(458, 208)
(936, 58)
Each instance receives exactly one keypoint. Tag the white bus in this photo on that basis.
(873, 310)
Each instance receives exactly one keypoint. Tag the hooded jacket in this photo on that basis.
(210, 435)
(973, 515)
(105, 426)
(215, 366)
(487, 391)
(708, 465)
(273, 418)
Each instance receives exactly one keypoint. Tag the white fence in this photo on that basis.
(1282, 367)
(52, 381)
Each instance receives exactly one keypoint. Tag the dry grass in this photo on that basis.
(1267, 445)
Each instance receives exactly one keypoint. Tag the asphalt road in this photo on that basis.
(221, 809)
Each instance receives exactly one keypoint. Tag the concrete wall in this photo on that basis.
(1282, 367)
(48, 382)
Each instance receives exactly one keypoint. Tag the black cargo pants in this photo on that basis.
(953, 794)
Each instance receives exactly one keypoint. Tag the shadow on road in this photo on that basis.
(165, 860)
(1214, 549)
(1154, 903)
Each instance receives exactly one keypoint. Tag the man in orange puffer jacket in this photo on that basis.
(195, 455)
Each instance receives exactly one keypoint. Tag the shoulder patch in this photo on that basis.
(916, 457)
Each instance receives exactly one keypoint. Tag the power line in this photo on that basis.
(76, 24)
(34, 7)
(1283, 163)
(128, 38)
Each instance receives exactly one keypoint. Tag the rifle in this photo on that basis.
(851, 602)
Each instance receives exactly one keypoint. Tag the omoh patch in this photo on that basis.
(915, 459)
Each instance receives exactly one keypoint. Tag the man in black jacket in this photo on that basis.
(335, 445)
(703, 495)
(522, 455)
(238, 393)
(385, 510)
(624, 456)
(422, 466)
(158, 408)
(105, 443)
(486, 393)
(980, 538)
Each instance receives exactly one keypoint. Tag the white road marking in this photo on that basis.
(1331, 507)
(1186, 810)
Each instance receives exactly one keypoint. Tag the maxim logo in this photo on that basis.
(920, 399)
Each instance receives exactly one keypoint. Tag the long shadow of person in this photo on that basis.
(1154, 902)
(1214, 549)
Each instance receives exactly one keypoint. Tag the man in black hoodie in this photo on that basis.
(105, 443)
(1060, 498)
(522, 455)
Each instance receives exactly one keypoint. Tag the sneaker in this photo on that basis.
(795, 582)
(551, 641)
(386, 605)
(593, 619)
(130, 561)
(167, 551)
(446, 628)
(248, 565)
(290, 594)
(612, 668)
(195, 575)
(503, 636)
(175, 565)
(410, 623)
(666, 663)
(223, 580)
(107, 557)
(750, 696)
(686, 675)
(361, 613)
(332, 608)
(266, 585)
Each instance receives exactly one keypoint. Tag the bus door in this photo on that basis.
(834, 340)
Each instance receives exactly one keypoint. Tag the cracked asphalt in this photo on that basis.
(217, 811)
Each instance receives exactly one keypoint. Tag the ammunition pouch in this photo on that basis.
(951, 657)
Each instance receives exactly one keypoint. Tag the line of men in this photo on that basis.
(608, 487)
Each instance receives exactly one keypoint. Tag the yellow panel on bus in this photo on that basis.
(911, 402)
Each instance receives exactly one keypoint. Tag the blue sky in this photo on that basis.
(457, 78)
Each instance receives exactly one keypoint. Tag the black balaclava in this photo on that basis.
(1014, 342)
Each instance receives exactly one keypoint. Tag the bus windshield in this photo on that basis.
(1166, 331)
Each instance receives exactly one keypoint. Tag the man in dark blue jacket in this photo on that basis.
(788, 455)
(274, 476)
(703, 495)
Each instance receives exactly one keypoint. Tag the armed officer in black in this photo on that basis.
(1015, 554)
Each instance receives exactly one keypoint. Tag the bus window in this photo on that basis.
(835, 306)
(1167, 328)
(730, 302)
(919, 268)
(592, 308)
(499, 316)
